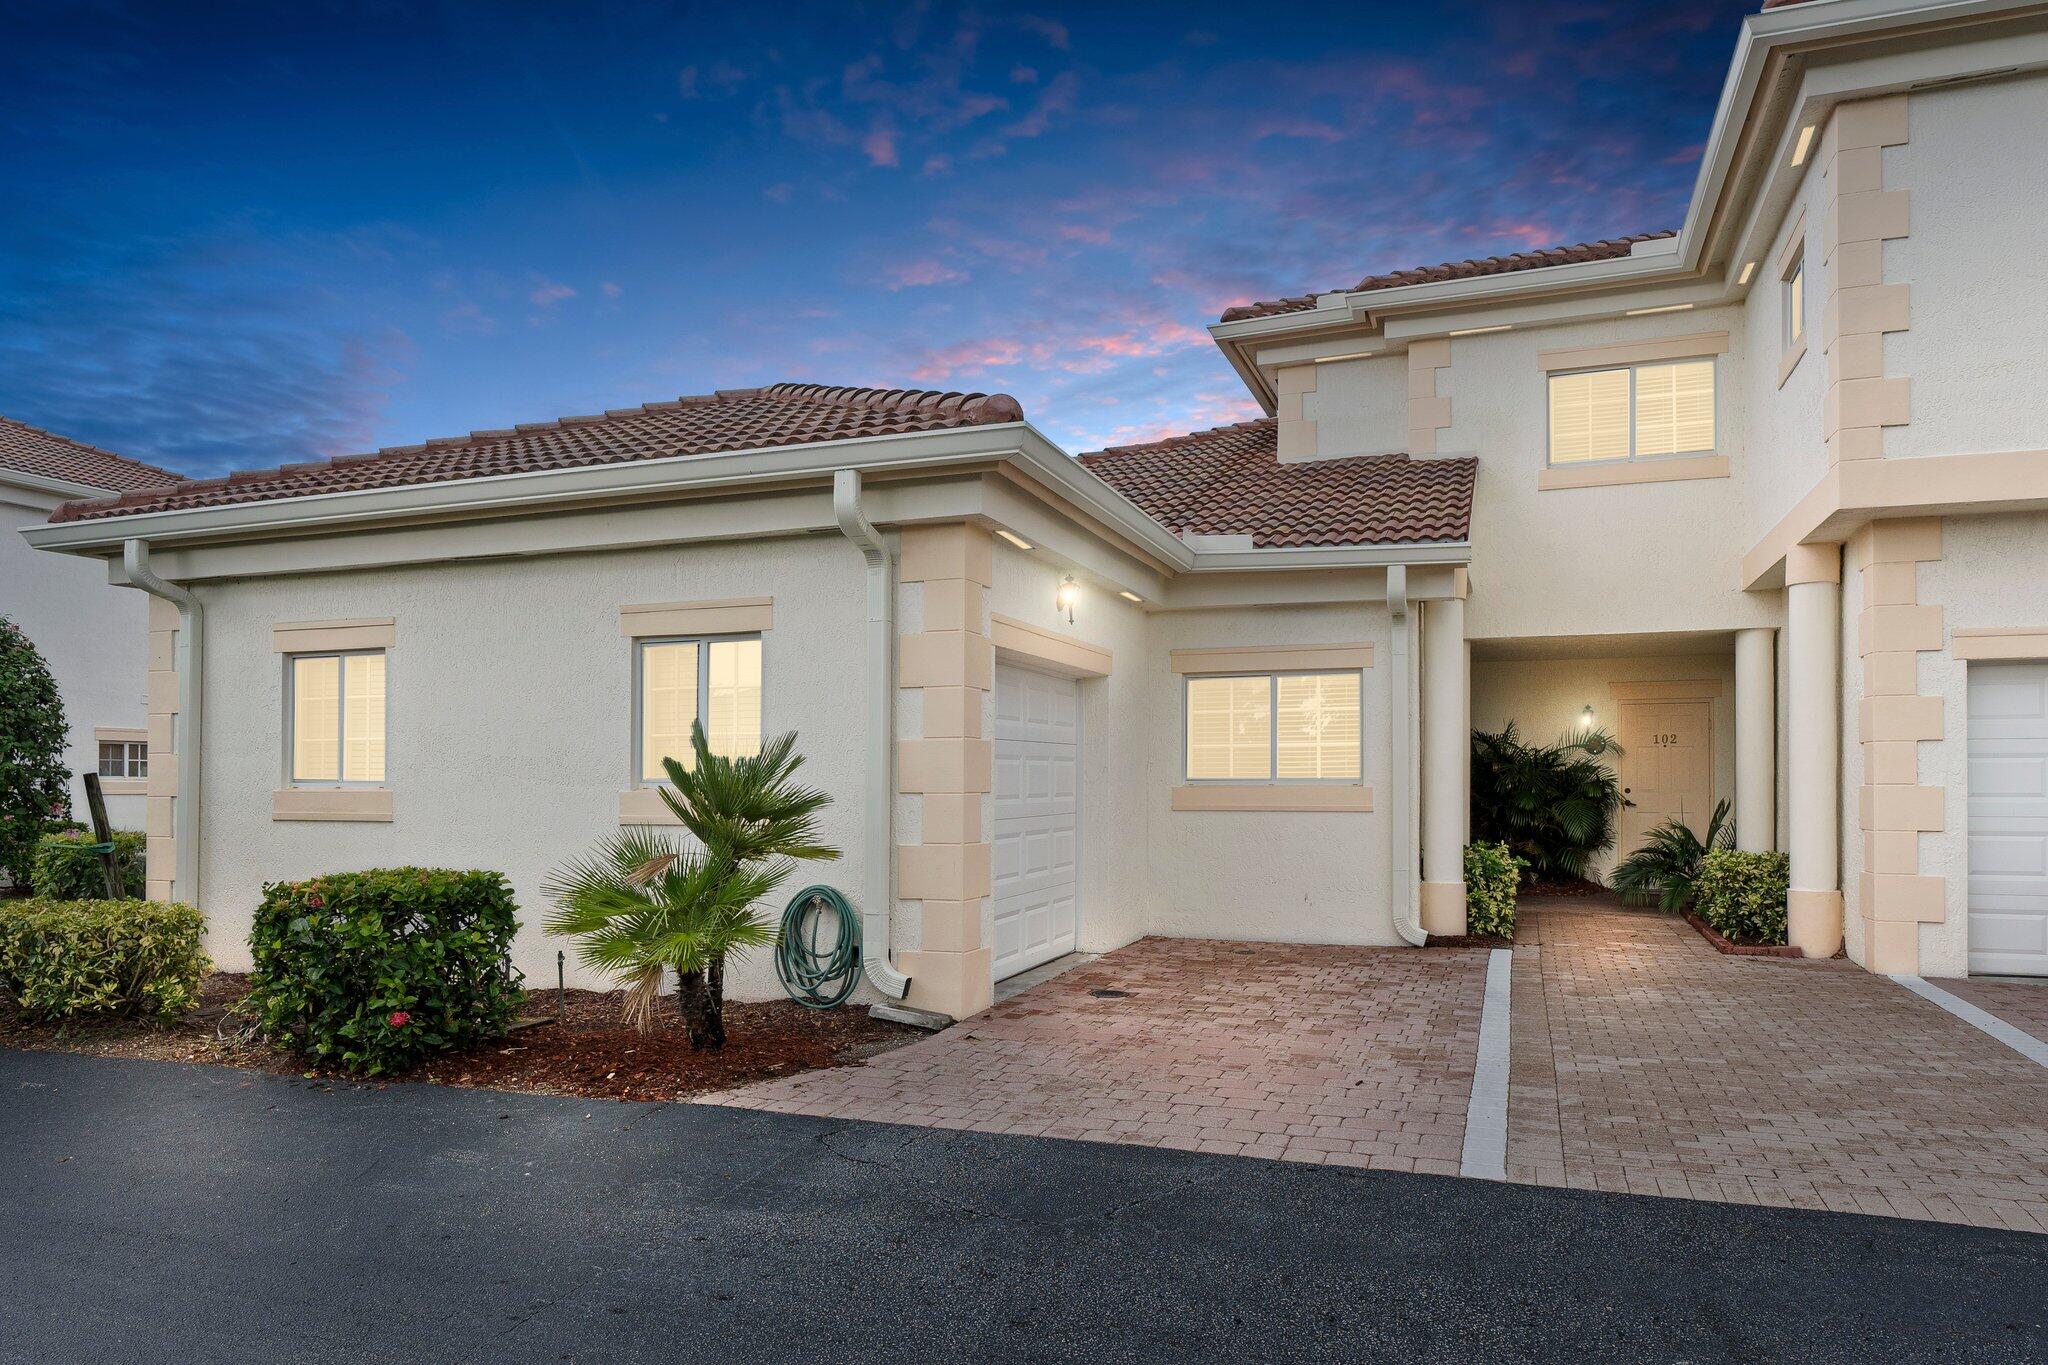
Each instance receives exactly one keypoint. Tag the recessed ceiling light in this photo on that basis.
(1129, 596)
(1747, 271)
(1805, 145)
(1015, 540)
(1481, 331)
(1667, 308)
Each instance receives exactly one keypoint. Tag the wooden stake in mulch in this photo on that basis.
(103, 835)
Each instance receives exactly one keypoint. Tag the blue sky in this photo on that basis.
(243, 234)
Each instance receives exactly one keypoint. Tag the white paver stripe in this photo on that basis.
(2020, 1041)
(1486, 1117)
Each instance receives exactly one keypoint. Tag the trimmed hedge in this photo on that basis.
(373, 971)
(1492, 876)
(61, 959)
(64, 871)
(1742, 895)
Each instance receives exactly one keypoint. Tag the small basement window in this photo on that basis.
(1274, 727)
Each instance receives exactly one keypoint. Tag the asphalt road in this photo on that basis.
(156, 1212)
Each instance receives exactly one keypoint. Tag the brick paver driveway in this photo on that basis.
(1644, 1061)
(1353, 1056)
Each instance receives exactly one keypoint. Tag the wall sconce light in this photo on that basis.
(1586, 717)
(1069, 593)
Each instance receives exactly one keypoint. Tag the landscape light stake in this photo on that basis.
(561, 986)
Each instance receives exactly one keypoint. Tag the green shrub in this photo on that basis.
(65, 869)
(1663, 870)
(35, 786)
(60, 959)
(1742, 895)
(1492, 875)
(372, 971)
(1554, 805)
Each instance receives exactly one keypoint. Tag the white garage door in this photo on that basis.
(2009, 819)
(1038, 817)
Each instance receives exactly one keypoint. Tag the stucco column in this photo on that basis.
(1813, 629)
(1756, 741)
(1446, 766)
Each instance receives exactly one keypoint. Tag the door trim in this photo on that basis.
(1690, 689)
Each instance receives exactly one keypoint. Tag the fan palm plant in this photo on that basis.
(645, 901)
(1664, 869)
(1554, 805)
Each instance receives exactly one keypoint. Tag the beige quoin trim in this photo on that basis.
(331, 803)
(319, 637)
(1037, 645)
(1272, 658)
(1699, 689)
(1859, 216)
(644, 806)
(2013, 642)
(1272, 797)
(1610, 474)
(721, 616)
(1428, 411)
(1690, 347)
(1296, 433)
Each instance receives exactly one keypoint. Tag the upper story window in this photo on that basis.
(682, 681)
(1794, 287)
(124, 758)
(1274, 727)
(1632, 412)
(336, 708)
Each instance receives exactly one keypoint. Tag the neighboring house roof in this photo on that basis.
(1606, 250)
(731, 419)
(1229, 481)
(31, 450)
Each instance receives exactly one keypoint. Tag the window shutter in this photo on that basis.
(1319, 723)
(316, 719)
(732, 723)
(1589, 416)
(362, 729)
(668, 705)
(1230, 729)
(1675, 408)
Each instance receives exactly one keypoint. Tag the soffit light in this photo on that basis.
(1015, 540)
(1747, 271)
(1666, 308)
(1482, 331)
(1128, 595)
(1805, 144)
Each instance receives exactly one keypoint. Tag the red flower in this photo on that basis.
(399, 1018)
(315, 901)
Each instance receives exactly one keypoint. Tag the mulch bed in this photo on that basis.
(1727, 945)
(1469, 941)
(1567, 887)
(589, 1052)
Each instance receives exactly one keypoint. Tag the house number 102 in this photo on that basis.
(1665, 741)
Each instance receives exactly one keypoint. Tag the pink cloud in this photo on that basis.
(549, 293)
(916, 274)
(965, 357)
(880, 146)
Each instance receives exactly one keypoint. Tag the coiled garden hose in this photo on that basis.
(818, 973)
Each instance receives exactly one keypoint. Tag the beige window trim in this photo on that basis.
(1618, 353)
(2004, 642)
(1790, 362)
(124, 786)
(325, 637)
(1273, 659)
(1041, 646)
(331, 803)
(1611, 473)
(644, 806)
(1795, 245)
(719, 616)
(1694, 689)
(1305, 796)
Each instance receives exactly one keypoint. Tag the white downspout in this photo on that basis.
(1400, 759)
(880, 832)
(191, 717)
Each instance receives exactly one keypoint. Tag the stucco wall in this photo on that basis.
(509, 721)
(1274, 875)
(1784, 454)
(1360, 407)
(1979, 300)
(1545, 697)
(95, 638)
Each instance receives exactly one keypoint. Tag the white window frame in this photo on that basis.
(133, 759)
(1633, 368)
(291, 720)
(1791, 284)
(635, 734)
(1272, 778)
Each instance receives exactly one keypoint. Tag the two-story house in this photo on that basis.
(1765, 495)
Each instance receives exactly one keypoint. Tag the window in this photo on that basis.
(680, 681)
(337, 717)
(1794, 289)
(1285, 727)
(124, 758)
(1634, 412)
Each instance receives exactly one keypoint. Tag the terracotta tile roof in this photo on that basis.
(35, 451)
(731, 419)
(1607, 250)
(1229, 481)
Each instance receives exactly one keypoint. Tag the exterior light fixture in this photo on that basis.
(1015, 540)
(1068, 594)
(1664, 308)
(1586, 717)
(1747, 271)
(1481, 331)
(1805, 145)
(1129, 596)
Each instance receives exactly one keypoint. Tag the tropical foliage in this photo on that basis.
(1663, 870)
(1492, 875)
(1742, 895)
(645, 902)
(64, 959)
(34, 783)
(68, 868)
(1553, 805)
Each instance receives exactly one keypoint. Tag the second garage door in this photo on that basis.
(1038, 818)
(2009, 819)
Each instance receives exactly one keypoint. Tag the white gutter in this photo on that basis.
(191, 728)
(879, 831)
(1400, 841)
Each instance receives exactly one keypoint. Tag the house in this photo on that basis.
(90, 633)
(1765, 494)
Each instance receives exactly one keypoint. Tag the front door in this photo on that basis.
(1667, 767)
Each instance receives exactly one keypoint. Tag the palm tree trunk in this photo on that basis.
(702, 1017)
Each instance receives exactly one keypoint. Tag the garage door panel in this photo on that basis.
(1037, 818)
(2008, 842)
